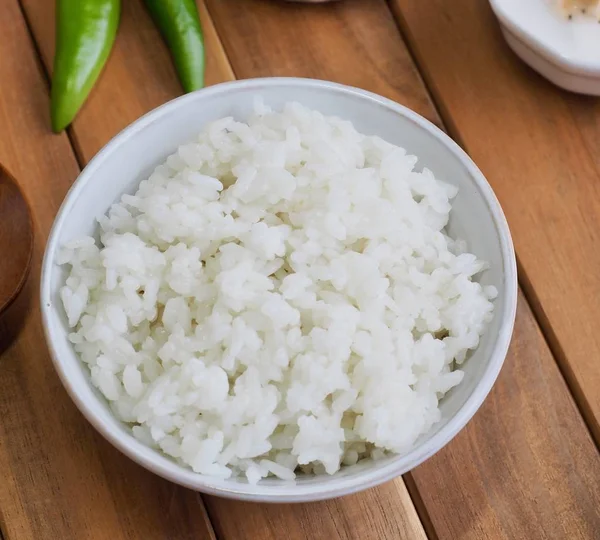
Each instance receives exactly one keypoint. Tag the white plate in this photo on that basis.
(565, 51)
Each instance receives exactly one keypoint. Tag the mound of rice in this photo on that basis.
(278, 296)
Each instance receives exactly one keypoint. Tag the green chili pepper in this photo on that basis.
(179, 24)
(85, 32)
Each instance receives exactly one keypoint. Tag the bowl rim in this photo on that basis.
(159, 464)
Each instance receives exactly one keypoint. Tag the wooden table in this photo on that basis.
(527, 466)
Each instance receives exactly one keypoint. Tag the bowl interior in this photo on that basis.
(131, 157)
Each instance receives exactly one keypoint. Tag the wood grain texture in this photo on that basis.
(60, 479)
(526, 466)
(354, 42)
(540, 149)
(373, 514)
(66, 482)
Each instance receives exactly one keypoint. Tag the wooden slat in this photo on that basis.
(526, 466)
(385, 513)
(60, 479)
(355, 43)
(540, 149)
(345, 515)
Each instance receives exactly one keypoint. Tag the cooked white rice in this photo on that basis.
(279, 295)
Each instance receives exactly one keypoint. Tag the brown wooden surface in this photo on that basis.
(355, 42)
(540, 149)
(525, 467)
(383, 513)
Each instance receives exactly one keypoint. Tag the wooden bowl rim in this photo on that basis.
(17, 290)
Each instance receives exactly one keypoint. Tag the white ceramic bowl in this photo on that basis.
(564, 51)
(132, 155)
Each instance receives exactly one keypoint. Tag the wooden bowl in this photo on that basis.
(16, 249)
